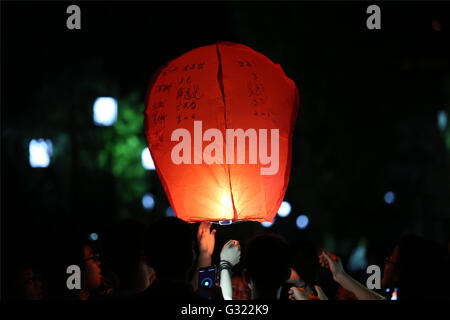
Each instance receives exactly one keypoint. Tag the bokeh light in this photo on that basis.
(147, 161)
(389, 197)
(302, 222)
(40, 152)
(267, 224)
(285, 209)
(170, 212)
(148, 201)
(442, 120)
(105, 111)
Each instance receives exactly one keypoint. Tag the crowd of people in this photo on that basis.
(131, 261)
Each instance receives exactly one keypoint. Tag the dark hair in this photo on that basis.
(27, 254)
(14, 281)
(305, 261)
(64, 250)
(123, 246)
(267, 261)
(422, 269)
(168, 247)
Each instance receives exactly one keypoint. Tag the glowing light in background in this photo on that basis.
(147, 161)
(285, 209)
(93, 236)
(358, 259)
(302, 222)
(148, 201)
(40, 153)
(267, 224)
(105, 111)
(389, 197)
(170, 212)
(442, 120)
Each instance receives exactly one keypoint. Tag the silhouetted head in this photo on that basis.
(267, 263)
(169, 248)
(73, 249)
(24, 283)
(24, 265)
(418, 268)
(305, 261)
(123, 247)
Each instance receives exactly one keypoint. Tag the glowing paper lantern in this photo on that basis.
(219, 122)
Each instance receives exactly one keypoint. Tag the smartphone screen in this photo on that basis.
(206, 282)
(207, 277)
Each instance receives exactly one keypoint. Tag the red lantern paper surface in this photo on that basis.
(222, 86)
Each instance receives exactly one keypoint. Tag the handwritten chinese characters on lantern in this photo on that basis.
(219, 122)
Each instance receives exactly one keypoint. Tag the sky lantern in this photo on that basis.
(219, 121)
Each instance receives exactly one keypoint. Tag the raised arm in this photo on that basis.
(229, 257)
(334, 263)
(206, 240)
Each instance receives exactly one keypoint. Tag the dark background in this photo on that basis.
(367, 122)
